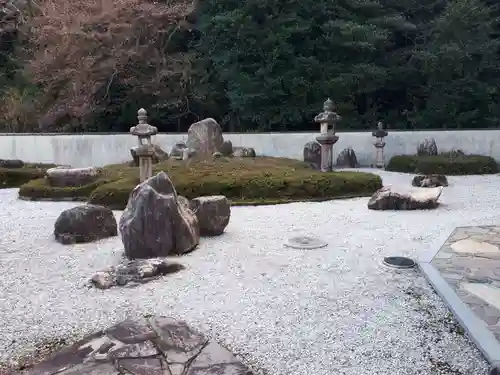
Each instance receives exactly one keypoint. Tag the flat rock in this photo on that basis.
(131, 347)
(398, 198)
(134, 271)
(429, 181)
(85, 223)
(213, 213)
(71, 177)
(11, 163)
(244, 152)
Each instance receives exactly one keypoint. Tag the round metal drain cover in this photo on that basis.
(399, 262)
(305, 242)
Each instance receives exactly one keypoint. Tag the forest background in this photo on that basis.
(256, 65)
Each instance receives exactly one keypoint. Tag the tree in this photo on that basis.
(278, 62)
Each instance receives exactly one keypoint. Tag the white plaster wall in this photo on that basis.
(80, 150)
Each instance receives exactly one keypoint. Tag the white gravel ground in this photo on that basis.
(334, 310)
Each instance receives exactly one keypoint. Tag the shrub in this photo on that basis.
(12, 178)
(243, 180)
(447, 163)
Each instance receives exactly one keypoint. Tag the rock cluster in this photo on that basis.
(134, 272)
(205, 139)
(85, 223)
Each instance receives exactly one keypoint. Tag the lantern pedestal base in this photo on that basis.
(327, 140)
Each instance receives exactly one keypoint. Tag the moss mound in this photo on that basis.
(450, 163)
(260, 180)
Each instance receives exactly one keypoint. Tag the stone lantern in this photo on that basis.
(145, 151)
(379, 144)
(327, 137)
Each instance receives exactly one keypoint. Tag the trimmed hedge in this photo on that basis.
(259, 180)
(453, 163)
(15, 177)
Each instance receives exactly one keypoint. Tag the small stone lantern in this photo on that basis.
(145, 151)
(327, 137)
(379, 144)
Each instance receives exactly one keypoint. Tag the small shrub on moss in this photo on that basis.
(243, 180)
(12, 178)
(447, 163)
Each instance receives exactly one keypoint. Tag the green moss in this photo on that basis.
(259, 180)
(445, 163)
(40, 190)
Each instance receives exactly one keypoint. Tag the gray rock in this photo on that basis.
(312, 154)
(85, 223)
(347, 158)
(213, 213)
(427, 148)
(134, 271)
(226, 148)
(177, 150)
(217, 155)
(430, 181)
(391, 198)
(158, 156)
(71, 177)
(494, 369)
(155, 223)
(11, 163)
(133, 347)
(244, 152)
(205, 137)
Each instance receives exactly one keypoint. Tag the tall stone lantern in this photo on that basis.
(327, 137)
(379, 144)
(145, 151)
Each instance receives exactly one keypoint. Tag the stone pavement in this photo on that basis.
(469, 263)
(154, 346)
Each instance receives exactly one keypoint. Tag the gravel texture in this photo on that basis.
(285, 311)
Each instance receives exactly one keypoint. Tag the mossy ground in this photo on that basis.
(260, 180)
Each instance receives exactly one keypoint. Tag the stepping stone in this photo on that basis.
(469, 246)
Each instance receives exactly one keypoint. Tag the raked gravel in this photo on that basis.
(329, 311)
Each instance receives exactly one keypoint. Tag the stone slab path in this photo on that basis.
(469, 263)
(154, 346)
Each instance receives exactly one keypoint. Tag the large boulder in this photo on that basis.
(312, 154)
(430, 181)
(427, 148)
(347, 158)
(213, 213)
(85, 223)
(156, 222)
(244, 152)
(158, 155)
(397, 198)
(205, 137)
(71, 177)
